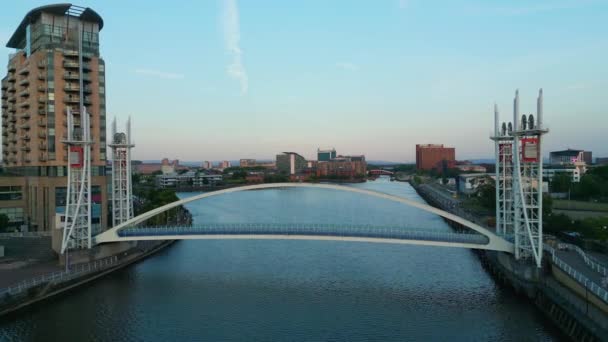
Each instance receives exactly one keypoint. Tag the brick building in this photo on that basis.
(429, 156)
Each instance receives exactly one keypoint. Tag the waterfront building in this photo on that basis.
(326, 155)
(190, 179)
(343, 167)
(247, 162)
(290, 163)
(225, 164)
(571, 170)
(428, 156)
(469, 183)
(56, 66)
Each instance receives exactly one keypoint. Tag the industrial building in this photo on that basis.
(56, 66)
(430, 156)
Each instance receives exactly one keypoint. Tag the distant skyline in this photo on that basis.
(225, 80)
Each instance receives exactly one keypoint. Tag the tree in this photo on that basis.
(4, 223)
(487, 196)
(561, 182)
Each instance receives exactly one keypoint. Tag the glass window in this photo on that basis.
(51, 108)
(102, 90)
(10, 193)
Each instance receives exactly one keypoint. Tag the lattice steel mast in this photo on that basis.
(122, 199)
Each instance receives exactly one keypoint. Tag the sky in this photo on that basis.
(214, 80)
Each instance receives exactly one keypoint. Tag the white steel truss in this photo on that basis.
(77, 224)
(122, 199)
(519, 180)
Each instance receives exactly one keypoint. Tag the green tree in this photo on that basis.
(561, 182)
(487, 196)
(4, 223)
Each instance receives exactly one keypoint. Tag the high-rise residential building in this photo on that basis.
(430, 156)
(56, 66)
(225, 164)
(207, 165)
(326, 155)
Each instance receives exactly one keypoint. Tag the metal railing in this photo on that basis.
(592, 262)
(25, 234)
(592, 287)
(61, 276)
(310, 229)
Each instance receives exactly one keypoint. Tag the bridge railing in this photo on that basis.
(312, 229)
(592, 262)
(60, 276)
(25, 234)
(591, 286)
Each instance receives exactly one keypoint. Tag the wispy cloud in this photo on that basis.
(347, 66)
(159, 74)
(232, 37)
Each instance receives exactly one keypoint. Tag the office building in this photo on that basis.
(290, 163)
(56, 66)
(343, 167)
(570, 156)
(326, 155)
(430, 156)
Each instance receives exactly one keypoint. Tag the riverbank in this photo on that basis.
(549, 288)
(19, 298)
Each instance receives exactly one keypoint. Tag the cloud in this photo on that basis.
(232, 37)
(347, 66)
(159, 74)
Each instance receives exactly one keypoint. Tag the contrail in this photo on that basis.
(232, 37)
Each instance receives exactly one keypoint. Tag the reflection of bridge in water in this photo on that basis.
(479, 237)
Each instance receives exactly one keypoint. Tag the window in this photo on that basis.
(15, 215)
(10, 193)
(51, 96)
(102, 90)
(51, 108)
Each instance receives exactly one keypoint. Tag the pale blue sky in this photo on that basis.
(210, 80)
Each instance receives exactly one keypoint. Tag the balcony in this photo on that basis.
(4, 86)
(70, 64)
(86, 66)
(25, 137)
(42, 135)
(42, 111)
(11, 68)
(25, 126)
(70, 87)
(25, 115)
(87, 101)
(11, 78)
(27, 160)
(25, 93)
(24, 82)
(24, 70)
(72, 76)
(41, 99)
(70, 53)
(11, 89)
(41, 123)
(13, 150)
(12, 109)
(24, 104)
(12, 118)
(42, 157)
(26, 148)
(41, 77)
(41, 64)
(72, 99)
(12, 99)
(42, 146)
(41, 88)
(86, 78)
(4, 134)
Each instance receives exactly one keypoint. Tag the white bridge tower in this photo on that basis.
(519, 180)
(122, 199)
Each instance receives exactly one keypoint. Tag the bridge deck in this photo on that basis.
(363, 231)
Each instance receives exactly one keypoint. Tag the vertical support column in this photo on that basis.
(122, 199)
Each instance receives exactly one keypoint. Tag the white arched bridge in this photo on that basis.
(134, 230)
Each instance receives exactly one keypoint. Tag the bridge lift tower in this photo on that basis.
(519, 180)
(122, 199)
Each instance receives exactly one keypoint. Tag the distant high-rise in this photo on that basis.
(428, 156)
(56, 67)
(326, 155)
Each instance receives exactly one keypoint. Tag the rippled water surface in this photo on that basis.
(293, 290)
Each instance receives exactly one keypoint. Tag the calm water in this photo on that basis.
(293, 290)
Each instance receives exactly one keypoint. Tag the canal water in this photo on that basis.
(293, 290)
